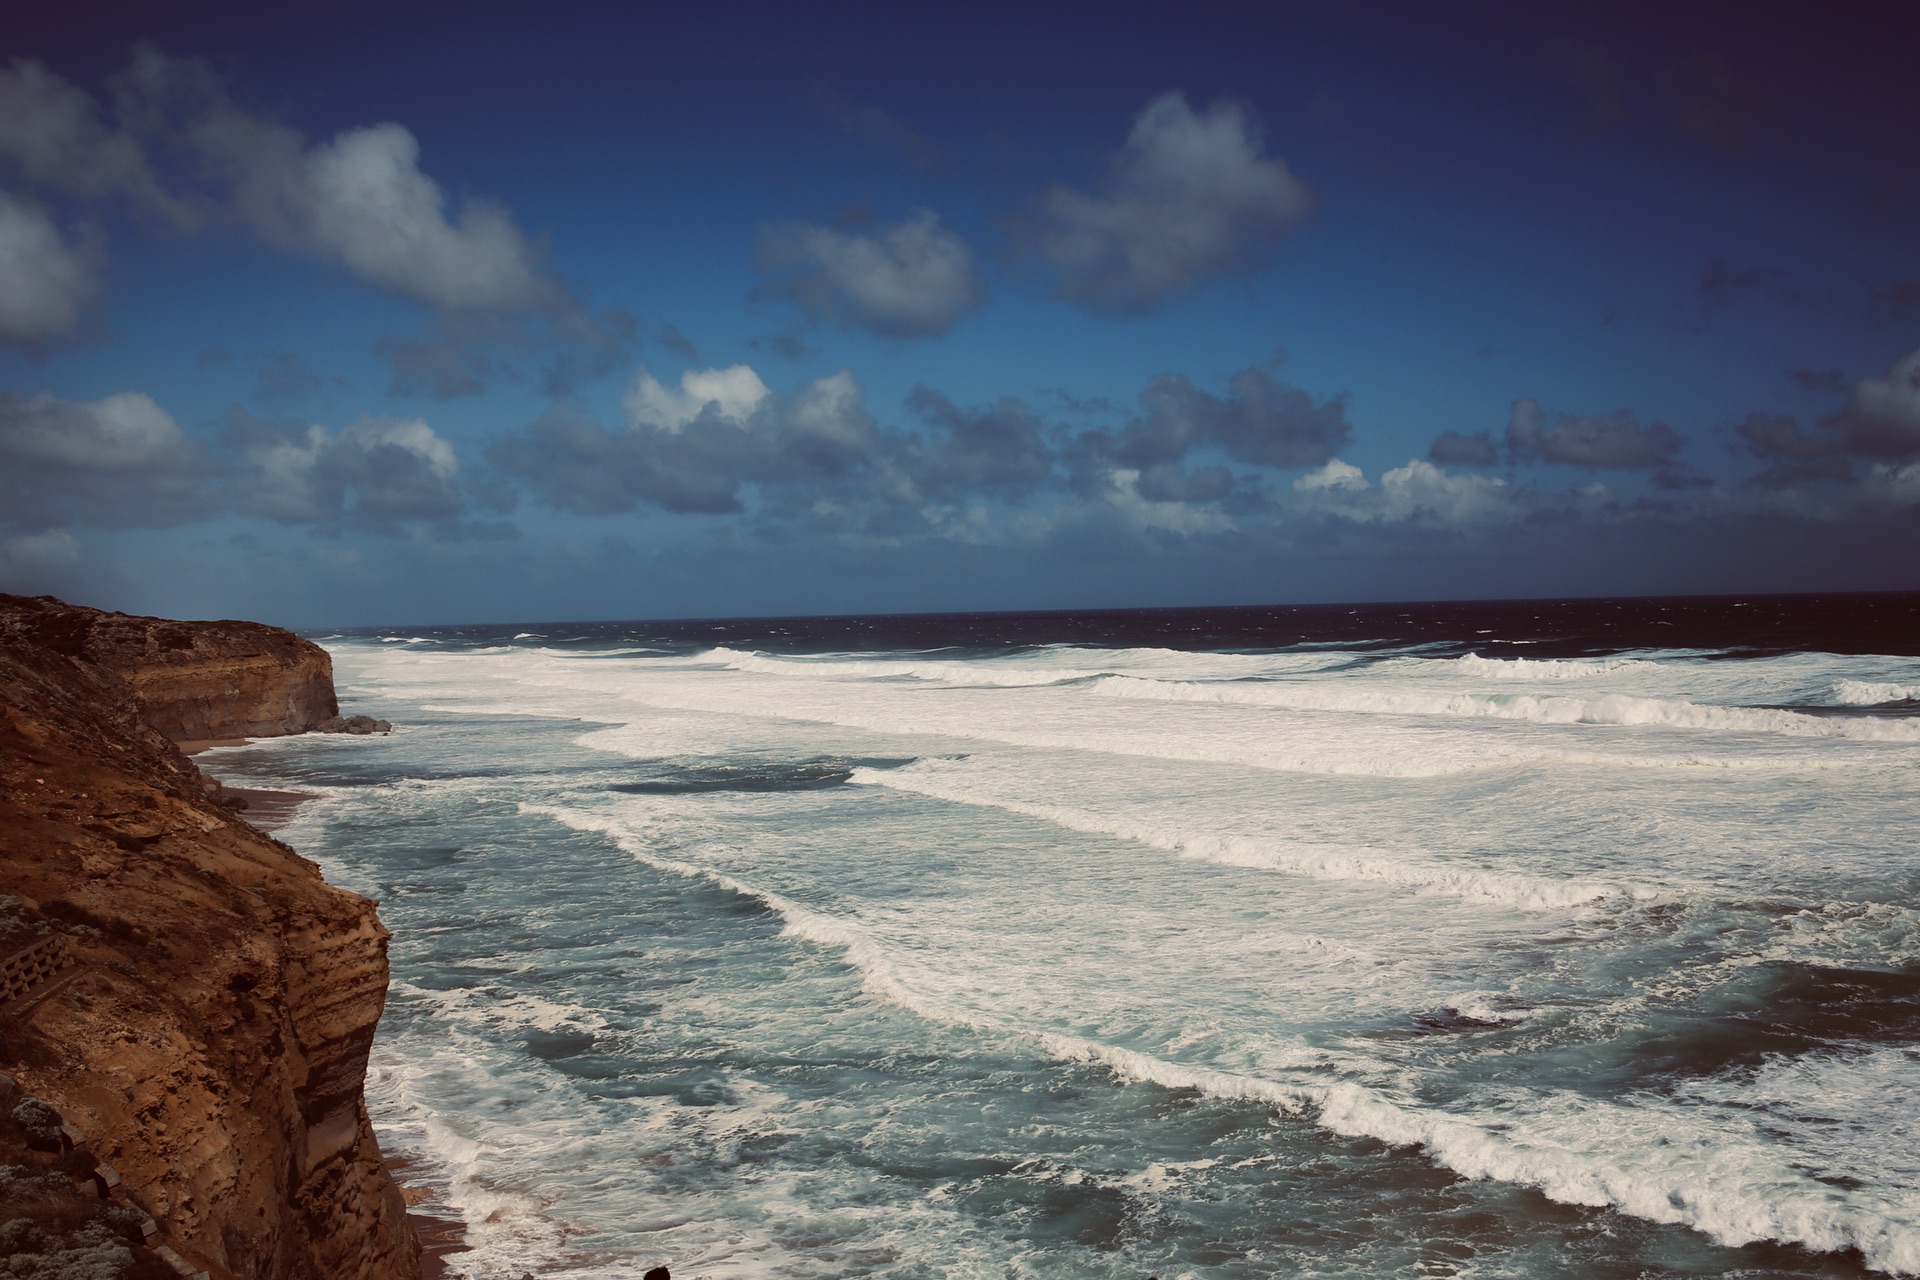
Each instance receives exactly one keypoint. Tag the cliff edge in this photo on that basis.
(186, 1006)
(195, 681)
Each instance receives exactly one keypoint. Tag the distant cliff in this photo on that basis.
(186, 996)
(195, 681)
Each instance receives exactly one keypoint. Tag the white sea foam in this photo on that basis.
(1603, 709)
(1473, 664)
(879, 975)
(1053, 665)
(1019, 932)
(1320, 861)
(1649, 1161)
(1868, 693)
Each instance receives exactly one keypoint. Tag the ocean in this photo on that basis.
(1564, 939)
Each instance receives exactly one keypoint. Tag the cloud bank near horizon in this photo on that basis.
(910, 401)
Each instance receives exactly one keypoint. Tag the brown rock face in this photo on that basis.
(195, 681)
(208, 1029)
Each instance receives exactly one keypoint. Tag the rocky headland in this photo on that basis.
(194, 681)
(186, 1006)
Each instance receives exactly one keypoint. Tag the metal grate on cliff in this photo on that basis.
(27, 968)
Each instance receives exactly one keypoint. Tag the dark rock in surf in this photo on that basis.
(352, 724)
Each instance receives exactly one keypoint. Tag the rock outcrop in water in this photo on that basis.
(188, 996)
(195, 681)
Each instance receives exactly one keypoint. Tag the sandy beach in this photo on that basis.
(267, 810)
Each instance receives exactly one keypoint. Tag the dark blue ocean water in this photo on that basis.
(1535, 940)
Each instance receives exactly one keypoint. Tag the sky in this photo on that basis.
(437, 313)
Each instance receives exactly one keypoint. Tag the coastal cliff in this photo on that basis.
(185, 996)
(194, 681)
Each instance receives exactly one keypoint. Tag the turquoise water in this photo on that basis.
(1064, 961)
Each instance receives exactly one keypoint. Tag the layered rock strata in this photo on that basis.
(197, 1003)
(194, 681)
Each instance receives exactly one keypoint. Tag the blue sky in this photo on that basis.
(460, 313)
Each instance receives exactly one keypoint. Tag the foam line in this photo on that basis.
(1056, 665)
(1735, 1193)
(877, 973)
(1870, 693)
(1603, 709)
(1322, 862)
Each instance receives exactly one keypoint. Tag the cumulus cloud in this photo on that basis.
(732, 393)
(1261, 421)
(1417, 493)
(56, 137)
(376, 474)
(183, 152)
(45, 283)
(362, 202)
(38, 552)
(118, 461)
(359, 201)
(692, 449)
(720, 441)
(1881, 418)
(910, 280)
(1613, 440)
(1335, 475)
(1189, 197)
(1000, 449)
(1421, 490)
(1879, 422)
(1889, 486)
(33, 563)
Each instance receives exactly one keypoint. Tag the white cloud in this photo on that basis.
(55, 135)
(1421, 489)
(39, 552)
(369, 206)
(1418, 492)
(124, 432)
(1189, 197)
(1335, 475)
(121, 460)
(359, 202)
(1882, 415)
(45, 283)
(1184, 518)
(697, 447)
(1892, 486)
(833, 408)
(910, 280)
(376, 473)
(734, 393)
(39, 562)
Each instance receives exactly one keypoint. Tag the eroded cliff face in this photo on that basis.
(195, 681)
(208, 1029)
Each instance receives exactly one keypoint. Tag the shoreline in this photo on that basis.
(268, 810)
(440, 1230)
(263, 807)
(194, 746)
